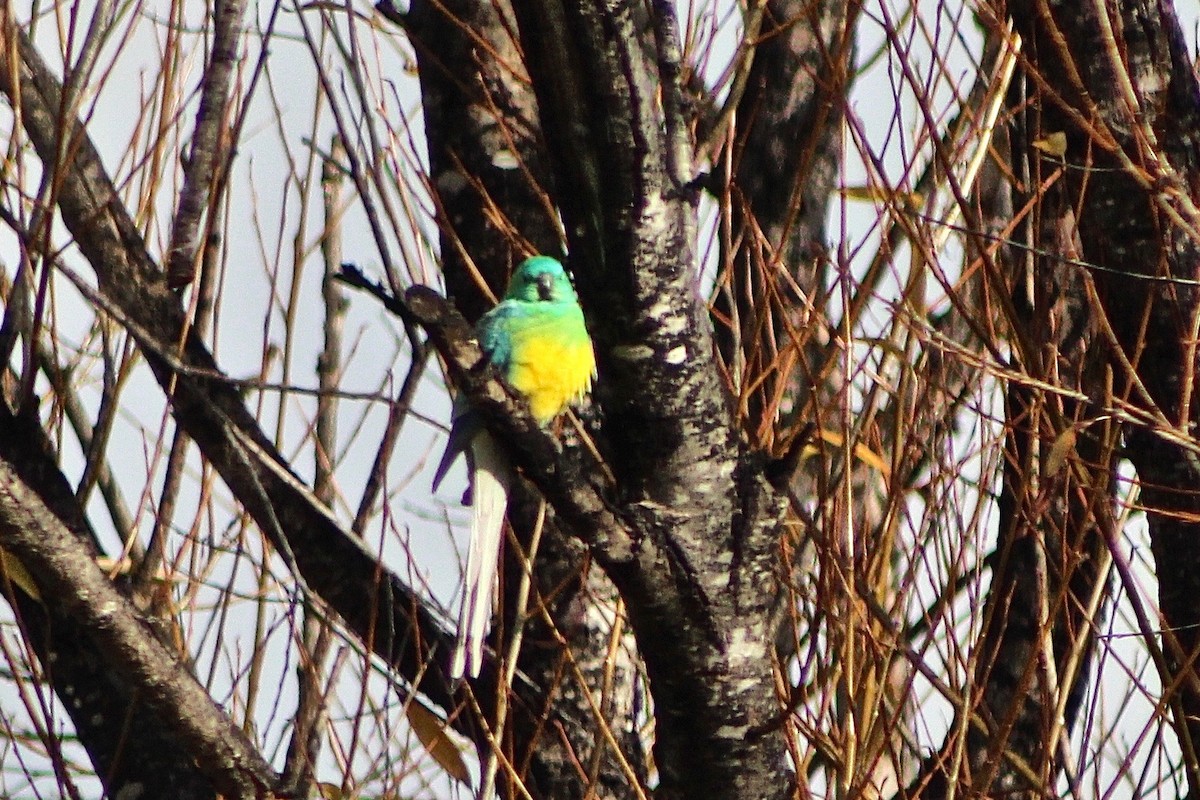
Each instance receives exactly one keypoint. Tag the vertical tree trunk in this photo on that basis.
(495, 200)
(1116, 81)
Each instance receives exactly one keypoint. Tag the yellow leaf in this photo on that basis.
(872, 459)
(13, 570)
(431, 730)
(1053, 144)
(112, 567)
(831, 437)
(863, 453)
(1063, 447)
(878, 194)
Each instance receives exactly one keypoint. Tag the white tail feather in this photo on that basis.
(491, 474)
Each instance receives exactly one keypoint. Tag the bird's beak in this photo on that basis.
(545, 286)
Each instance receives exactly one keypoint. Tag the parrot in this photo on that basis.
(537, 340)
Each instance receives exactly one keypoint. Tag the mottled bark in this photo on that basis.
(490, 180)
(494, 197)
(373, 603)
(683, 515)
(69, 578)
(133, 749)
(704, 522)
(204, 168)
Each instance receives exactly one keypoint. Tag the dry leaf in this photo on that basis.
(878, 194)
(330, 791)
(861, 452)
(1054, 144)
(431, 730)
(15, 571)
(1063, 446)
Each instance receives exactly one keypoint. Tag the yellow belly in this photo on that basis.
(550, 372)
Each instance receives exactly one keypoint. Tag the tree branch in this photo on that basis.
(375, 604)
(608, 97)
(491, 180)
(202, 166)
(132, 748)
(68, 578)
(1117, 83)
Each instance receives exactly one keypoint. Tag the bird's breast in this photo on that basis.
(551, 367)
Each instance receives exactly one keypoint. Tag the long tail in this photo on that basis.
(490, 479)
(463, 430)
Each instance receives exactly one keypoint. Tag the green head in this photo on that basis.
(540, 279)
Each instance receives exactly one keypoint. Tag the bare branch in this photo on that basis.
(375, 604)
(67, 574)
(204, 162)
